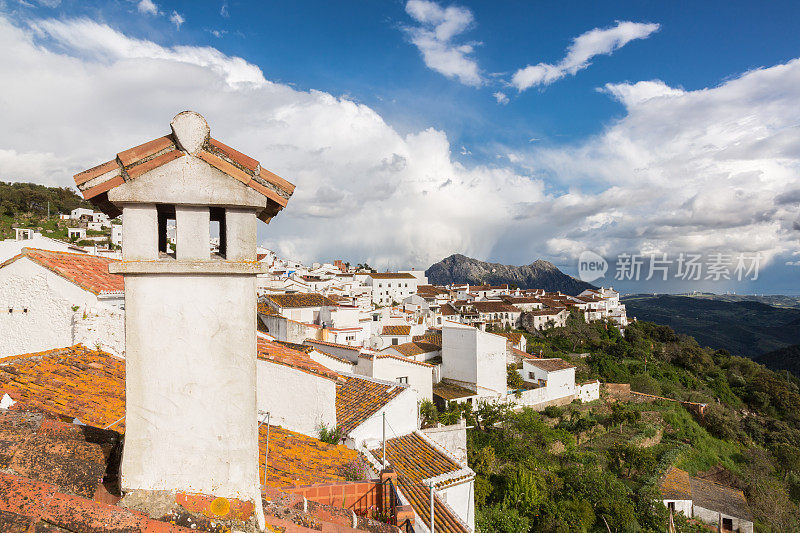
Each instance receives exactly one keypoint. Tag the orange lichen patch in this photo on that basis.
(416, 459)
(68, 382)
(266, 309)
(296, 460)
(89, 272)
(396, 330)
(676, 485)
(429, 338)
(283, 355)
(358, 398)
(309, 299)
(215, 507)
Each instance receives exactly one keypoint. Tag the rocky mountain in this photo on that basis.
(538, 275)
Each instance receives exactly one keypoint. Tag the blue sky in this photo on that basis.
(547, 169)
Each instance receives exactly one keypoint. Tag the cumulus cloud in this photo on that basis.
(364, 191)
(702, 170)
(714, 169)
(434, 39)
(599, 41)
(148, 7)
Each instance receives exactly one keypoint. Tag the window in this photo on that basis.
(671, 506)
(531, 375)
(727, 523)
(166, 226)
(374, 318)
(394, 341)
(218, 229)
(403, 379)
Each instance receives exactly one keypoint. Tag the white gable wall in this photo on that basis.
(49, 299)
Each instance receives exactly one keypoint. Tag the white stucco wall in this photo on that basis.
(681, 506)
(461, 499)
(459, 353)
(588, 391)
(101, 327)
(333, 363)
(452, 438)
(191, 384)
(420, 377)
(48, 298)
(296, 400)
(401, 415)
(339, 351)
(712, 517)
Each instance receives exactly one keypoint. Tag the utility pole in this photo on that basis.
(432, 523)
(384, 440)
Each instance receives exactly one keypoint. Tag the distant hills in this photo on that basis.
(783, 359)
(744, 327)
(538, 275)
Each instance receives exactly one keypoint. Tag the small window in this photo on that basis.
(394, 341)
(218, 230)
(166, 228)
(671, 506)
(403, 379)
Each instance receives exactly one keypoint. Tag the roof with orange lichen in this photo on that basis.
(130, 164)
(89, 272)
(266, 309)
(68, 382)
(677, 484)
(429, 338)
(514, 336)
(300, 360)
(300, 299)
(296, 459)
(89, 385)
(396, 330)
(358, 398)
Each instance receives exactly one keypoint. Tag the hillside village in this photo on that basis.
(186, 338)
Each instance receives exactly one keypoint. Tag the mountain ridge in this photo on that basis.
(540, 274)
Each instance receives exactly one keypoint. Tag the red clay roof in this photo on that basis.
(551, 365)
(283, 355)
(396, 330)
(410, 349)
(300, 299)
(390, 275)
(89, 272)
(95, 182)
(359, 398)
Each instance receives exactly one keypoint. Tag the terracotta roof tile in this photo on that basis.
(315, 342)
(449, 391)
(359, 398)
(283, 355)
(415, 460)
(390, 275)
(396, 330)
(235, 156)
(300, 299)
(514, 336)
(429, 338)
(68, 382)
(138, 160)
(90, 272)
(551, 365)
(410, 349)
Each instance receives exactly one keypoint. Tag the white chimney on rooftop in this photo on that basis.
(190, 315)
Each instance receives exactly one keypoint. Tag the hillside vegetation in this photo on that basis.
(26, 205)
(595, 467)
(745, 327)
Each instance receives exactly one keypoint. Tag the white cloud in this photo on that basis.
(583, 48)
(703, 170)
(713, 169)
(434, 39)
(630, 94)
(501, 98)
(177, 19)
(223, 10)
(99, 41)
(364, 191)
(147, 7)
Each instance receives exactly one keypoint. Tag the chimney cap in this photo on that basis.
(190, 130)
